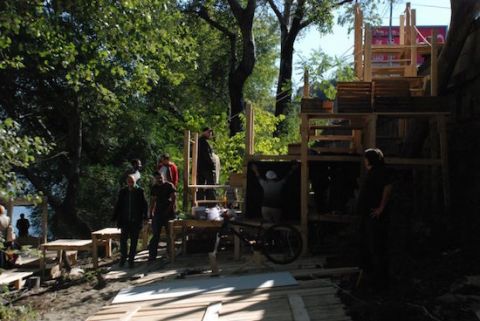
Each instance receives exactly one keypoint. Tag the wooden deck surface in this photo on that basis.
(310, 300)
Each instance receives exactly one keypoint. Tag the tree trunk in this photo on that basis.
(69, 224)
(239, 76)
(284, 83)
(464, 12)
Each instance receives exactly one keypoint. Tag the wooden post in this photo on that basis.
(186, 168)
(371, 133)
(194, 168)
(367, 71)
(249, 135)
(304, 190)
(306, 84)
(94, 251)
(44, 220)
(434, 65)
(358, 48)
(442, 133)
(407, 50)
(413, 44)
(402, 30)
(10, 210)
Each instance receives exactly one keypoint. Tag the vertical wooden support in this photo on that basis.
(413, 44)
(371, 132)
(10, 210)
(186, 168)
(94, 251)
(306, 84)
(367, 71)
(44, 220)
(434, 65)
(358, 48)
(249, 137)
(304, 190)
(408, 38)
(194, 168)
(442, 134)
(402, 30)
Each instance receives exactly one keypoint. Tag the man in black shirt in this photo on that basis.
(23, 225)
(162, 209)
(373, 207)
(205, 165)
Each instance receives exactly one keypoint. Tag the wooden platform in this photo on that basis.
(15, 277)
(310, 300)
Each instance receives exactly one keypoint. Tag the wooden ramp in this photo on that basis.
(309, 300)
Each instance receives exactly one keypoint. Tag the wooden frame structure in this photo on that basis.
(11, 203)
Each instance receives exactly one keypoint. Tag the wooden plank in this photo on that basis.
(413, 42)
(212, 312)
(332, 138)
(297, 307)
(194, 167)
(434, 65)
(17, 278)
(306, 84)
(402, 30)
(186, 168)
(304, 181)
(367, 71)
(442, 133)
(249, 140)
(358, 48)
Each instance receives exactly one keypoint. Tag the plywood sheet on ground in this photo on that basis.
(314, 300)
(174, 289)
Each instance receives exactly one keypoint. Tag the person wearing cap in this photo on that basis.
(374, 211)
(162, 209)
(129, 213)
(168, 169)
(205, 165)
(272, 193)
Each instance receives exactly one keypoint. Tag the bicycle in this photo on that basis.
(279, 243)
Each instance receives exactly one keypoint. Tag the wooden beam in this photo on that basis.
(249, 137)
(402, 29)
(442, 133)
(371, 132)
(413, 43)
(304, 190)
(45, 219)
(367, 71)
(434, 65)
(358, 47)
(186, 168)
(297, 306)
(306, 84)
(194, 167)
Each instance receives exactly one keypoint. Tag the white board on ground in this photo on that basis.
(174, 289)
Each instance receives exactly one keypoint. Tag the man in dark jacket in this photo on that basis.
(205, 165)
(129, 213)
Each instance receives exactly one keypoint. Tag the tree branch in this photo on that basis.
(203, 13)
(40, 186)
(237, 8)
(277, 12)
(338, 4)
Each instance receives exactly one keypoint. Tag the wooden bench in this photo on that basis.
(64, 245)
(15, 277)
(103, 236)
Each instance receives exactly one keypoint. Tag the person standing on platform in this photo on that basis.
(162, 209)
(206, 166)
(168, 169)
(374, 210)
(22, 225)
(130, 212)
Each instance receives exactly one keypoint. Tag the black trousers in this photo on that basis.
(158, 222)
(206, 177)
(132, 233)
(375, 258)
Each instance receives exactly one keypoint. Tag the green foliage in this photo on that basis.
(16, 151)
(325, 71)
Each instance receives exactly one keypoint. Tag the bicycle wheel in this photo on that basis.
(282, 243)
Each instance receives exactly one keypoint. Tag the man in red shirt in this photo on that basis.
(168, 169)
